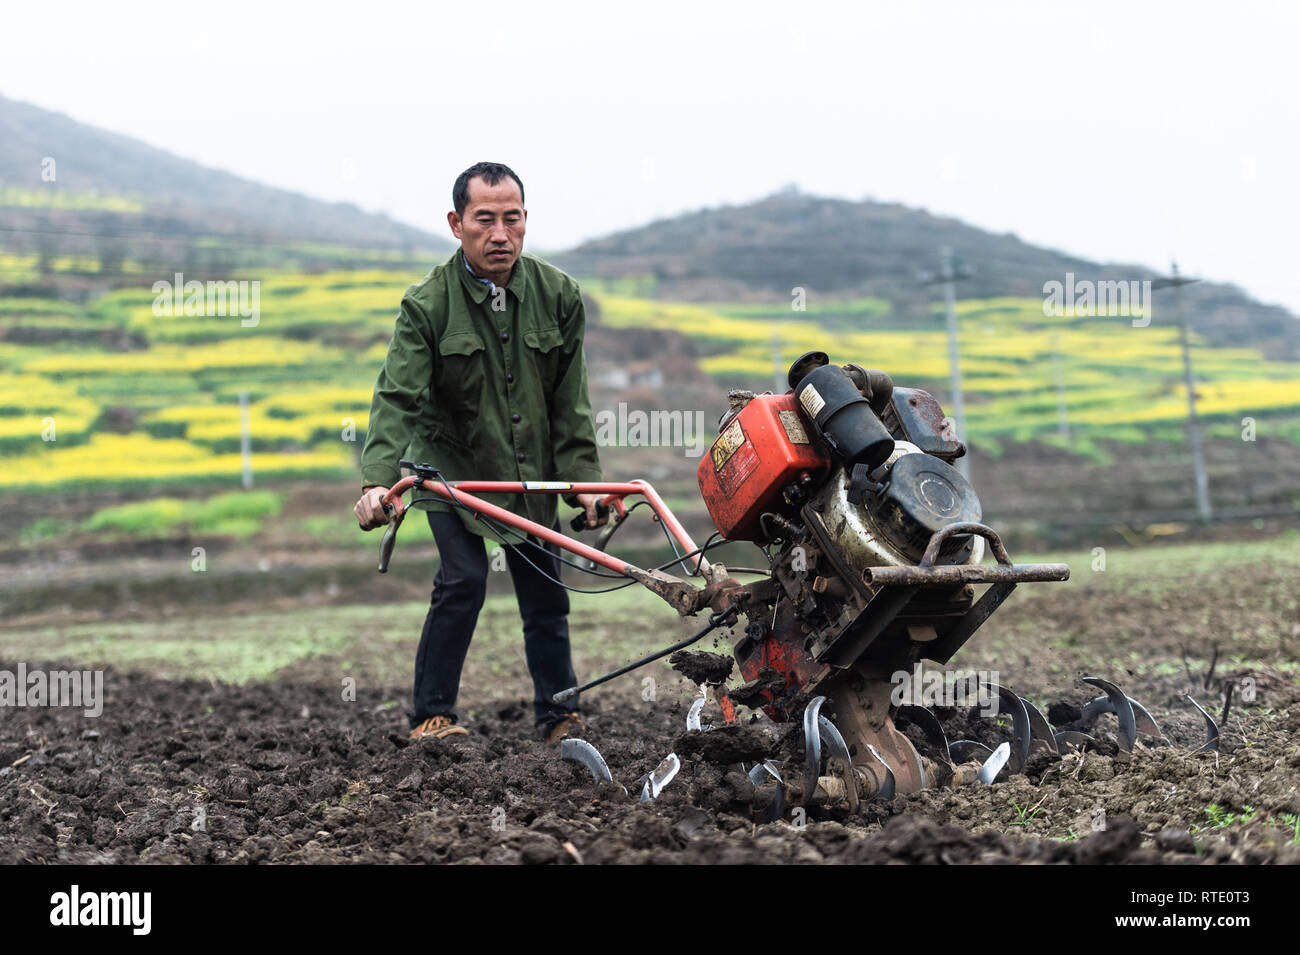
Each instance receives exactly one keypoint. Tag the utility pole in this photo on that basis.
(1062, 413)
(245, 440)
(1176, 282)
(947, 276)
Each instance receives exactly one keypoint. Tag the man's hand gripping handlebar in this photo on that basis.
(378, 506)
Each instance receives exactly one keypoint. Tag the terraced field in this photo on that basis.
(149, 399)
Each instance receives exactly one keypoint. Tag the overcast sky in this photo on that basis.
(1132, 132)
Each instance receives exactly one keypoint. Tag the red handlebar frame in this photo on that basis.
(464, 492)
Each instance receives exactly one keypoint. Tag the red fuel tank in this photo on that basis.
(761, 450)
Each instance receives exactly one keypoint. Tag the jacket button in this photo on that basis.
(505, 336)
(510, 379)
(515, 418)
(520, 456)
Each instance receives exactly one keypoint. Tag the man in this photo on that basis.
(485, 379)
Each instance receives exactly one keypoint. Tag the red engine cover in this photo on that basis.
(762, 449)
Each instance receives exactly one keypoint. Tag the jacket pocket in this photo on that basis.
(458, 390)
(544, 338)
(460, 343)
(544, 348)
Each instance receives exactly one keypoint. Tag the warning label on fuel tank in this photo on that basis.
(730, 439)
(742, 464)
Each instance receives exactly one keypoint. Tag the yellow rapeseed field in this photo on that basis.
(310, 362)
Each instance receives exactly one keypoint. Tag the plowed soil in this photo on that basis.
(285, 771)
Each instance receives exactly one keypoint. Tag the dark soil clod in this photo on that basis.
(700, 666)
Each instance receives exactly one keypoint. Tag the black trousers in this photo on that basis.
(458, 592)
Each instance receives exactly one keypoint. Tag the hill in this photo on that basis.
(837, 249)
(119, 206)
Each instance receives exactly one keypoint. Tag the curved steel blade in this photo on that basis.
(830, 735)
(930, 726)
(1020, 732)
(1123, 710)
(1074, 738)
(887, 790)
(812, 747)
(777, 808)
(1039, 728)
(761, 773)
(660, 777)
(967, 749)
(1211, 730)
(1142, 719)
(993, 765)
(580, 751)
(693, 714)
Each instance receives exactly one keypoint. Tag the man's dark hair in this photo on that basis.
(490, 172)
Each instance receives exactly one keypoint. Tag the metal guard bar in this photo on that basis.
(926, 574)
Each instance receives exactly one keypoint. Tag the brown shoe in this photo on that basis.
(570, 725)
(438, 727)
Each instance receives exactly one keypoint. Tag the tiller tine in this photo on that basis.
(1123, 710)
(1142, 719)
(659, 777)
(887, 790)
(1075, 739)
(817, 729)
(1211, 744)
(1040, 731)
(580, 751)
(1021, 731)
(693, 716)
(764, 772)
(993, 765)
(812, 748)
(839, 750)
(930, 726)
(965, 750)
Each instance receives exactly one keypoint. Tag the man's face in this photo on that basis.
(491, 231)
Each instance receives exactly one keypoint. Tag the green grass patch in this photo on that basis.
(236, 514)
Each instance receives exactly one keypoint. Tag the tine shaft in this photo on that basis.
(839, 749)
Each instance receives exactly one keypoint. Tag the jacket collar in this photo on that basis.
(479, 292)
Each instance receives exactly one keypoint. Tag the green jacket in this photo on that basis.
(487, 393)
